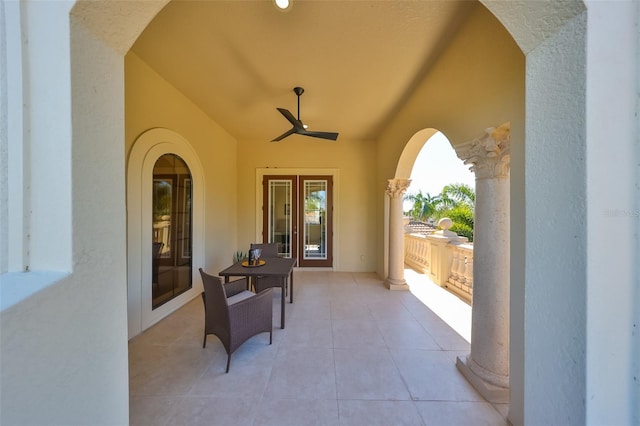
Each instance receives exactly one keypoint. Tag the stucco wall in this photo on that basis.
(478, 82)
(152, 102)
(354, 220)
(556, 263)
(613, 213)
(64, 349)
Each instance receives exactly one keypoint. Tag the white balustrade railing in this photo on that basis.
(460, 278)
(416, 252)
(446, 259)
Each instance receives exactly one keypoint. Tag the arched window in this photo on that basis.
(165, 223)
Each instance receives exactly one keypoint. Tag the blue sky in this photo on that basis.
(436, 166)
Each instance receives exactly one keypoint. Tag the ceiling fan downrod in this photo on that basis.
(298, 91)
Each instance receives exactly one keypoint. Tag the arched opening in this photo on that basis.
(437, 166)
(550, 70)
(80, 86)
(436, 172)
(483, 271)
(165, 199)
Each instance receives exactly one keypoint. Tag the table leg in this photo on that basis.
(291, 288)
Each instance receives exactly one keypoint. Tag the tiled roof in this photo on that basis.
(417, 227)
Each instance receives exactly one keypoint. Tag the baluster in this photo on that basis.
(468, 273)
(427, 253)
(421, 253)
(462, 269)
(407, 247)
(455, 264)
(414, 249)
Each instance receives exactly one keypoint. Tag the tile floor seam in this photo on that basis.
(266, 383)
(431, 335)
(404, 381)
(335, 369)
(202, 373)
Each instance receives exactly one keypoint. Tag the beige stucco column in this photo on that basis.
(487, 366)
(395, 190)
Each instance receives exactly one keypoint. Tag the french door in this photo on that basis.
(172, 236)
(297, 213)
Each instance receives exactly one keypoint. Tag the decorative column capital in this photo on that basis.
(489, 155)
(397, 187)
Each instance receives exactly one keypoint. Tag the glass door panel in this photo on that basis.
(315, 208)
(172, 234)
(315, 218)
(279, 224)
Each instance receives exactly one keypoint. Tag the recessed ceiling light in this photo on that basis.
(283, 4)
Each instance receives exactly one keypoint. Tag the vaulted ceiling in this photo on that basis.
(357, 60)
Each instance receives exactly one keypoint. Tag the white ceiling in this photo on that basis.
(356, 60)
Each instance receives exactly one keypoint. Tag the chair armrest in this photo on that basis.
(249, 308)
(234, 287)
(236, 298)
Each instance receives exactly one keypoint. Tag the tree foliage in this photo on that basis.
(462, 217)
(456, 201)
(456, 194)
(424, 205)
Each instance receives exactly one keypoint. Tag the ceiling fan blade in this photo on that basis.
(285, 134)
(298, 127)
(290, 117)
(322, 135)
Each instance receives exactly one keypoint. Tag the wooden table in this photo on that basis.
(273, 267)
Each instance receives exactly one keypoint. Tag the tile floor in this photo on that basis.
(353, 353)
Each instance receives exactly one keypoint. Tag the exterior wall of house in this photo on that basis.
(63, 348)
(613, 213)
(555, 275)
(478, 82)
(555, 373)
(152, 102)
(354, 221)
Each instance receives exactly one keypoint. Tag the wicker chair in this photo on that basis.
(268, 250)
(234, 314)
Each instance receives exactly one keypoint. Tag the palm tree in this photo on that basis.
(456, 201)
(455, 194)
(424, 205)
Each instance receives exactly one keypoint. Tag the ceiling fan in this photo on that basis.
(298, 126)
